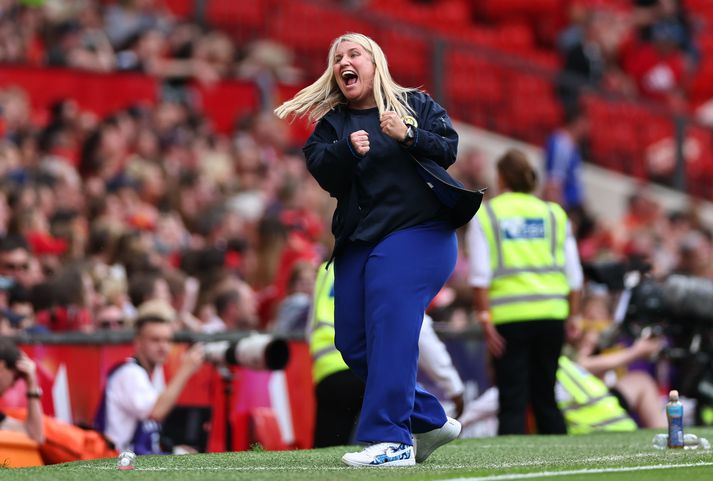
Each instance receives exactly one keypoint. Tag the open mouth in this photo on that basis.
(350, 77)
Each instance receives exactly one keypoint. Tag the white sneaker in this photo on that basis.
(382, 454)
(425, 443)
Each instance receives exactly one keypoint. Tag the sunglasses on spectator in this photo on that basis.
(110, 323)
(13, 266)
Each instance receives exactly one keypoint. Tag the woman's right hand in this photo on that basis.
(360, 141)
(493, 339)
(648, 347)
(27, 369)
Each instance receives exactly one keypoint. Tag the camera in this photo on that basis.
(678, 307)
(678, 304)
(256, 351)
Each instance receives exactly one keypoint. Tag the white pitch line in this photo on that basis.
(434, 467)
(546, 474)
(494, 477)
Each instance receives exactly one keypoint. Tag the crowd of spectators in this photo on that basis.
(148, 207)
(648, 51)
(100, 216)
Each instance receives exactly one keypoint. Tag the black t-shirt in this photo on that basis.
(390, 193)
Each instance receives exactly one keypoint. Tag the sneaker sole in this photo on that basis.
(394, 464)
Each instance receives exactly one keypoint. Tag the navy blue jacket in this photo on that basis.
(333, 163)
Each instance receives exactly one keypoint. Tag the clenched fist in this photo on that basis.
(393, 126)
(360, 141)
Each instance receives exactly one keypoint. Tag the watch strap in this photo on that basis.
(34, 394)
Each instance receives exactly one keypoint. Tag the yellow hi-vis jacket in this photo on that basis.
(526, 239)
(326, 359)
(587, 404)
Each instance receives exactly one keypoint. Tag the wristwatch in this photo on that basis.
(410, 135)
(483, 316)
(34, 394)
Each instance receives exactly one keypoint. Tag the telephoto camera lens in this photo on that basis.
(256, 351)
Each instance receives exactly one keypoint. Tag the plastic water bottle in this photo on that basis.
(660, 441)
(126, 461)
(690, 441)
(674, 413)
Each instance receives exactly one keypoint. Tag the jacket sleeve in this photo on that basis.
(436, 139)
(331, 161)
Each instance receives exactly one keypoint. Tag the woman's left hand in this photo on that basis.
(393, 126)
(27, 369)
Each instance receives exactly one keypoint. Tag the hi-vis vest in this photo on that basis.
(587, 404)
(326, 359)
(526, 238)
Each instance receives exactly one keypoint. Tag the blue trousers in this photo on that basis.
(381, 293)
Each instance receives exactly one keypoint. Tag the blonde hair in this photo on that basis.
(323, 95)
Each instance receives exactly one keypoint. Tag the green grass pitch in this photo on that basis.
(595, 457)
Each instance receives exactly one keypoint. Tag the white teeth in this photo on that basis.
(347, 74)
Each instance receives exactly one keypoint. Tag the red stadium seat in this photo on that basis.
(226, 102)
(408, 56)
(88, 89)
(181, 8)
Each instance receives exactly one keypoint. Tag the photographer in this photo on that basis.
(636, 390)
(135, 401)
(15, 364)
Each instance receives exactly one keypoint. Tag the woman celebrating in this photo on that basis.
(381, 150)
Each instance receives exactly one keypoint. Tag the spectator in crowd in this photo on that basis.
(650, 13)
(14, 365)
(20, 312)
(15, 260)
(226, 307)
(526, 278)
(473, 169)
(77, 47)
(268, 63)
(293, 311)
(585, 61)
(15, 108)
(72, 300)
(145, 286)
(110, 318)
(126, 18)
(695, 255)
(135, 399)
(563, 161)
(658, 67)
(236, 306)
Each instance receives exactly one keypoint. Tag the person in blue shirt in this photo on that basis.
(382, 151)
(563, 162)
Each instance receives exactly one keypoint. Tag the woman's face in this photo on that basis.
(354, 72)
